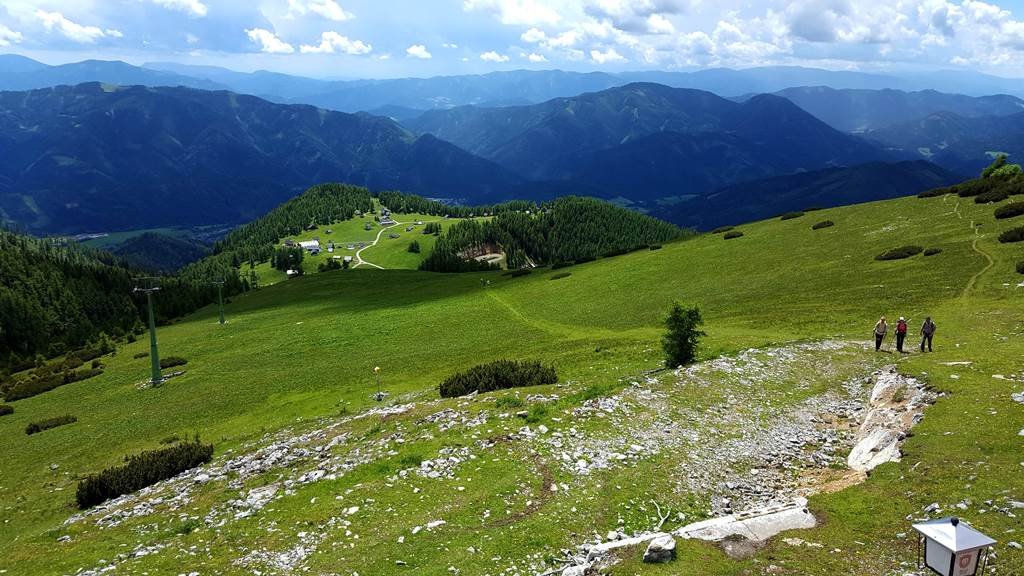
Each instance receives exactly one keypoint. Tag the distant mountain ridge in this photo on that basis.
(95, 157)
(831, 187)
(860, 110)
(642, 141)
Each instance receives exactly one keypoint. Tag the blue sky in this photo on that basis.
(382, 38)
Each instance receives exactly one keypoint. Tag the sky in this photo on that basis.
(393, 38)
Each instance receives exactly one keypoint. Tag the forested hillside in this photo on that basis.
(566, 230)
(56, 297)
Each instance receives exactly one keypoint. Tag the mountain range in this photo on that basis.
(98, 157)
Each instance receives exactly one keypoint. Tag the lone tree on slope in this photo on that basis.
(682, 335)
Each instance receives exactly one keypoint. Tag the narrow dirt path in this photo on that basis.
(359, 253)
(974, 279)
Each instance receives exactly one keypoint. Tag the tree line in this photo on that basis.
(565, 230)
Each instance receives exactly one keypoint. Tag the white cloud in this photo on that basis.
(607, 56)
(517, 12)
(418, 51)
(268, 41)
(450, 45)
(535, 58)
(332, 42)
(55, 21)
(493, 56)
(191, 38)
(193, 8)
(328, 9)
(8, 36)
(658, 24)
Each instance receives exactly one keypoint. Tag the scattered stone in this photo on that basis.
(662, 549)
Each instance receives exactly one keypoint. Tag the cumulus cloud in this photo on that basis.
(268, 41)
(8, 36)
(493, 56)
(194, 8)
(534, 57)
(331, 42)
(606, 56)
(57, 22)
(418, 51)
(517, 12)
(451, 45)
(328, 9)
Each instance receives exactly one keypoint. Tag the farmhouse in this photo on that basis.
(386, 220)
(311, 246)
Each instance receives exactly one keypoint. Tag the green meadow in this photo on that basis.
(298, 356)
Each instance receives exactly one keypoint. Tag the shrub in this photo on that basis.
(36, 427)
(1011, 210)
(6, 409)
(936, 192)
(141, 470)
(823, 224)
(791, 215)
(682, 335)
(722, 229)
(1020, 267)
(733, 234)
(558, 265)
(519, 272)
(171, 362)
(498, 375)
(584, 259)
(900, 253)
(35, 386)
(991, 197)
(932, 251)
(1012, 235)
(328, 265)
(508, 402)
(171, 439)
(561, 275)
(655, 247)
(141, 355)
(536, 413)
(414, 247)
(813, 208)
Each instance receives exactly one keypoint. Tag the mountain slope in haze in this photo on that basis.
(647, 140)
(827, 188)
(20, 73)
(963, 145)
(159, 252)
(95, 157)
(860, 110)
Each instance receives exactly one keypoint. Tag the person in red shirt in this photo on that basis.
(901, 333)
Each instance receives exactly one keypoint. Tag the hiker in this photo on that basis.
(927, 331)
(901, 333)
(881, 328)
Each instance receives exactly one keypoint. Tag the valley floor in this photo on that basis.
(311, 475)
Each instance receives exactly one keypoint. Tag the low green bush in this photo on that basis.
(936, 192)
(171, 362)
(991, 197)
(1012, 235)
(171, 439)
(561, 275)
(932, 251)
(33, 386)
(791, 215)
(508, 402)
(900, 253)
(823, 224)
(585, 259)
(498, 375)
(414, 247)
(520, 272)
(655, 247)
(36, 427)
(1020, 267)
(733, 234)
(722, 229)
(558, 265)
(813, 209)
(6, 409)
(141, 470)
(1011, 210)
(536, 413)
(141, 355)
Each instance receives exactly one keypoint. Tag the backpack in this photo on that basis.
(901, 328)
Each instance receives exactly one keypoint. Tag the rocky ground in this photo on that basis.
(762, 427)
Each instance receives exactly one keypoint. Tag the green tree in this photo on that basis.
(1000, 167)
(682, 335)
(414, 247)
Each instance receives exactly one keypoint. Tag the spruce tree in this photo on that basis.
(682, 335)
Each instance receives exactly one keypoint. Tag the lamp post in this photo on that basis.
(156, 378)
(951, 547)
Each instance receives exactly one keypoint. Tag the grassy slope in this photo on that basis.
(303, 350)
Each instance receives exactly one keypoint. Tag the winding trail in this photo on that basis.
(359, 253)
(974, 246)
